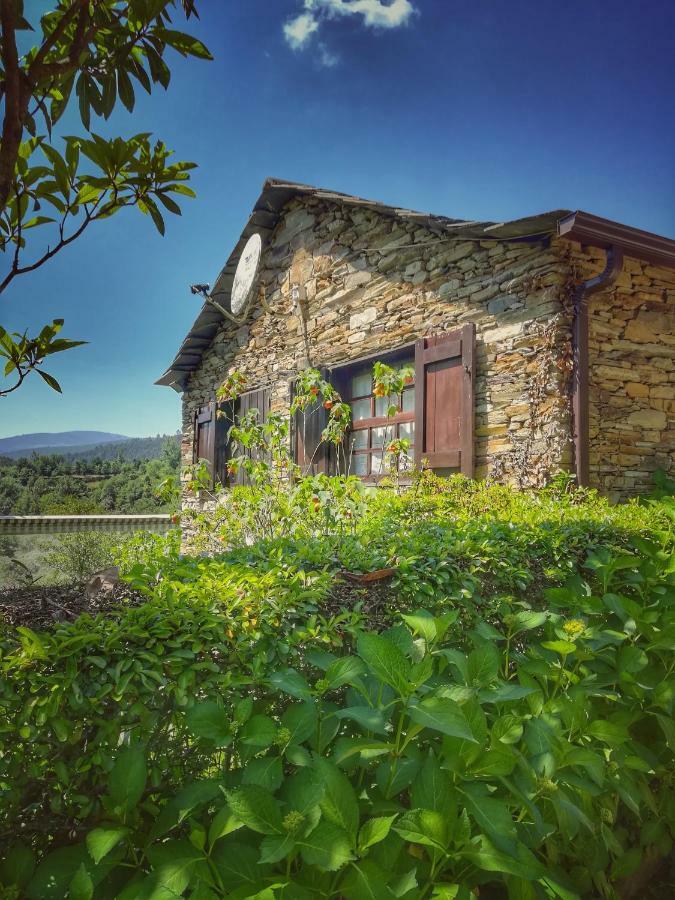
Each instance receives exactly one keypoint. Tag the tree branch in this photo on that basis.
(90, 216)
(66, 19)
(12, 127)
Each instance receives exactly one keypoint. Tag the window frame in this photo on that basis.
(342, 376)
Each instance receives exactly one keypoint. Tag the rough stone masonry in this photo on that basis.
(374, 283)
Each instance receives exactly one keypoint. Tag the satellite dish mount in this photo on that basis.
(243, 284)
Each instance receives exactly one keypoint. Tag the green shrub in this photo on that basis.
(75, 557)
(234, 736)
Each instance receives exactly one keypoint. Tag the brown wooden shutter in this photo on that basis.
(260, 400)
(444, 400)
(307, 449)
(204, 436)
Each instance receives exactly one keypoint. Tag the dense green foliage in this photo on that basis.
(88, 56)
(245, 733)
(56, 484)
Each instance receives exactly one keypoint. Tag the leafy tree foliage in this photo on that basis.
(56, 485)
(97, 52)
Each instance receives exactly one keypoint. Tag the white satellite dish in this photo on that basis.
(245, 276)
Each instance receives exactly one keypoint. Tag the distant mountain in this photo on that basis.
(54, 440)
(127, 449)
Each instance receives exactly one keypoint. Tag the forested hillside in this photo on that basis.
(124, 448)
(60, 484)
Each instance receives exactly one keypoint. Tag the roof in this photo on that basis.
(276, 194)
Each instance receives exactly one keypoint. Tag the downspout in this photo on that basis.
(614, 263)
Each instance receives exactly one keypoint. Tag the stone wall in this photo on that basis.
(373, 284)
(631, 376)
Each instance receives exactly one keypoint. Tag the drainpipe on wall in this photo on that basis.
(582, 293)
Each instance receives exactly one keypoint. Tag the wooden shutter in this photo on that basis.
(307, 426)
(444, 400)
(260, 400)
(204, 436)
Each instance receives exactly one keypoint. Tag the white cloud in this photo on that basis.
(376, 13)
(326, 57)
(299, 30)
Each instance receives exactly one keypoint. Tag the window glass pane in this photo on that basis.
(362, 385)
(361, 409)
(407, 430)
(377, 467)
(359, 464)
(382, 436)
(359, 439)
(382, 404)
(408, 404)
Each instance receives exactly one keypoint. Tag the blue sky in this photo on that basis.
(478, 109)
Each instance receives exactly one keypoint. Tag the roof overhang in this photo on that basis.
(597, 232)
(275, 195)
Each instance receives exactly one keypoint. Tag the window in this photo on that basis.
(232, 412)
(212, 423)
(371, 429)
(435, 413)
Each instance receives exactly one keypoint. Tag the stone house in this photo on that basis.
(540, 345)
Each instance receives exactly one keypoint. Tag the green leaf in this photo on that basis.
(291, 682)
(209, 721)
(423, 826)
(505, 692)
(185, 44)
(101, 841)
(366, 880)
(237, 864)
(433, 789)
(338, 804)
(258, 733)
(304, 790)
(256, 808)
(127, 779)
(18, 865)
(81, 886)
(50, 380)
(524, 864)
(148, 205)
(54, 873)
(266, 772)
(492, 816)
(169, 203)
(328, 847)
(608, 732)
(527, 620)
(275, 847)
(507, 729)
(224, 823)
(301, 720)
(366, 716)
(373, 831)
(385, 660)
(125, 89)
(482, 665)
(423, 623)
(564, 648)
(444, 715)
(346, 670)
(172, 864)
